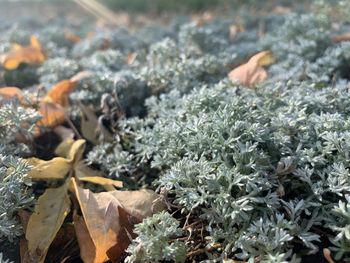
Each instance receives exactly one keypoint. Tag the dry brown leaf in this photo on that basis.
(50, 211)
(11, 93)
(252, 72)
(86, 245)
(31, 54)
(107, 223)
(130, 59)
(141, 204)
(60, 92)
(234, 30)
(64, 133)
(341, 38)
(70, 36)
(52, 114)
(81, 75)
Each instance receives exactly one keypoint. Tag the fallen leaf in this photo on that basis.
(252, 72)
(56, 168)
(234, 30)
(64, 147)
(50, 211)
(327, 255)
(31, 54)
(11, 93)
(86, 245)
(64, 133)
(282, 10)
(107, 223)
(81, 75)
(52, 114)
(141, 204)
(70, 36)
(341, 38)
(60, 92)
(75, 153)
(131, 58)
(89, 123)
(109, 184)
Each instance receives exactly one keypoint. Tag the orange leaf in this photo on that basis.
(11, 92)
(53, 114)
(252, 72)
(31, 54)
(341, 38)
(60, 92)
(107, 223)
(70, 36)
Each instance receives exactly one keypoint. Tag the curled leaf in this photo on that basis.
(31, 54)
(52, 114)
(60, 92)
(252, 72)
(11, 93)
(341, 38)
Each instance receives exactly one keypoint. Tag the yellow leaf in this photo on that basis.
(265, 58)
(56, 168)
(64, 147)
(89, 124)
(75, 153)
(102, 181)
(50, 211)
(252, 72)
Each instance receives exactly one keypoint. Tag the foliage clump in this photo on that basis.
(14, 185)
(153, 240)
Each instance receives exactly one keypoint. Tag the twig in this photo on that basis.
(203, 250)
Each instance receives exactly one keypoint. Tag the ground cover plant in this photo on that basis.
(205, 138)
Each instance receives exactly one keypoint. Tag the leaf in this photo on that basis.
(130, 59)
(86, 245)
(56, 168)
(107, 223)
(63, 148)
(52, 114)
(89, 123)
(252, 72)
(50, 211)
(141, 204)
(60, 92)
(11, 93)
(31, 54)
(341, 38)
(70, 36)
(75, 153)
(102, 181)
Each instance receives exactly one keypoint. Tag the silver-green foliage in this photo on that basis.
(153, 240)
(14, 185)
(262, 167)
